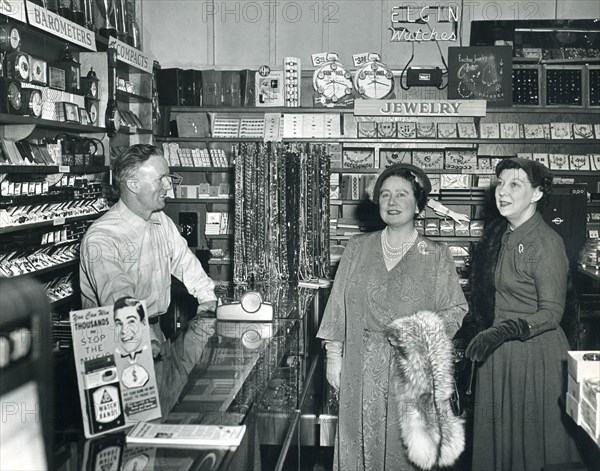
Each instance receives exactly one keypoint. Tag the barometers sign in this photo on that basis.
(58, 26)
(419, 107)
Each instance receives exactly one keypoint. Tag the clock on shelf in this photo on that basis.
(10, 37)
(89, 84)
(374, 80)
(12, 102)
(93, 108)
(32, 99)
(332, 82)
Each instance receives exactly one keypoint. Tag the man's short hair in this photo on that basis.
(129, 161)
(128, 301)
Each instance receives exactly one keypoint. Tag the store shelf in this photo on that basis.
(533, 60)
(7, 119)
(377, 170)
(199, 200)
(127, 97)
(219, 261)
(60, 266)
(50, 222)
(436, 238)
(62, 301)
(132, 131)
(592, 273)
(218, 236)
(201, 169)
(52, 169)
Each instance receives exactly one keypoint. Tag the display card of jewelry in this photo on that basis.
(533, 131)
(313, 125)
(485, 164)
(595, 162)
(367, 129)
(593, 85)
(510, 131)
(331, 125)
(558, 161)
(426, 130)
(406, 130)
(579, 162)
(273, 127)
(489, 130)
(224, 126)
(541, 157)
(358, 158)
(467, 131)
(386, 129)
(526, 82)
(564, 85)
(447, 131)
(583, 131)
(561, 130)
(392, 157)
(293, 125)
(252, 128)
(428, 160)
(461, 159)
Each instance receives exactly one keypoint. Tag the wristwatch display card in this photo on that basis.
(273, 127)
(467, 131)
(559, 161)
(447, 131)
(252, 127)
(292, 125)
(579, 162)
(224, 126)
(510, 131)
(489, 131)
(533, 131)
(332, 125)
(561, 131)
(583, 131)
(525, 155)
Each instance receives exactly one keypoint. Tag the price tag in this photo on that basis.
(64, 169)
(360, 59)
(323, 57)
(58, 221)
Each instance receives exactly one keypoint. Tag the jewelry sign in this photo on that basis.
(420, 108)
(424, 23)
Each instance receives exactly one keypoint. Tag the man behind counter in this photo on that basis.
(133, 250)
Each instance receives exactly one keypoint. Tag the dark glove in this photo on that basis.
(490, 339)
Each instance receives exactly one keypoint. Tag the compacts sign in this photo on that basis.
(419, 108)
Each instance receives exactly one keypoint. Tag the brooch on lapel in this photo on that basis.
(521, 248)
(422, 247)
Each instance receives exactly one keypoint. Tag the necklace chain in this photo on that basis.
(392, 253)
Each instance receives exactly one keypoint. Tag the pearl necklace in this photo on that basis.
(394, 254)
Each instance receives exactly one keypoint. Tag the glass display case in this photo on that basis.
(251, 373)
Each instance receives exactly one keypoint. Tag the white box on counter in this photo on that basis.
(572, 408)
(590, 391)
(589, 418)
(580, 368)
(574, 388)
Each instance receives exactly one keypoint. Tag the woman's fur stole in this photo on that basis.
(422, 386)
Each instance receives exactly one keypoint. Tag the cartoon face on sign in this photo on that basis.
(129, 321)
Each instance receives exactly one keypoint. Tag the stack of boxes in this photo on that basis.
(583, 395)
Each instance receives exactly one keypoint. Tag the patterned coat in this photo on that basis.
(366, 298)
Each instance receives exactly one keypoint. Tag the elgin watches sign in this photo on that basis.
(420, 108)
(412, 22)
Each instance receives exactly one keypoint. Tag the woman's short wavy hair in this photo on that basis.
(537, 173)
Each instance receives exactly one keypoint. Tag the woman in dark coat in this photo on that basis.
(522, 353)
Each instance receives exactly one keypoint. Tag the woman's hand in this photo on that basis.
(484, 343)
(333, 369)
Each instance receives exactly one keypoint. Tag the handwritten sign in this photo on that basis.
(14, 9)
(407, 23)
(130, 55)
(420, 108)
(58, 26)
(481, 72)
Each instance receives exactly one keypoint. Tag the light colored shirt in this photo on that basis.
(124, 255)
